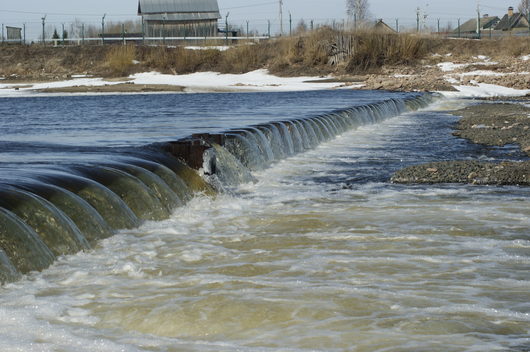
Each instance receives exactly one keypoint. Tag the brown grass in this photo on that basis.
(374, 50)
(307, 53)
(120, 59)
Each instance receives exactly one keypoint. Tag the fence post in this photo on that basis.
(164, 16)
(269, 28)
(143, 31)
(3, 34)
(63, 32)
(397, 25)
(82, 33)
(24, 26)
(123, 33)
(226, 28)
(459, 28)
(247, 29)
(43, 30)
(103, 29)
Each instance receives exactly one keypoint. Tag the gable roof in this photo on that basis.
(471, 25)
(381, 26)
(178, 10)
(517, 20)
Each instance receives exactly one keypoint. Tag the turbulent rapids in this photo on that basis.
(53, 211)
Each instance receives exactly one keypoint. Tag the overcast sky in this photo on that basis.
(257, 12)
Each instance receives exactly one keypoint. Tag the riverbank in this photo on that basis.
(491, 124)
(404, 62)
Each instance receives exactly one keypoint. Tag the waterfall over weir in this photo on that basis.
(59, 210)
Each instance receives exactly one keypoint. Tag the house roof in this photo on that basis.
(178, 10)
(517, 20)
(471, 25)
(381, 26)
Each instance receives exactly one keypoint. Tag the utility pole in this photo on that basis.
(281, 17)
(269, 28)
(83, 33)
(247, 29)
(397, 25)
(290, 24)
(24, 26)
(312, 25)
(459, 28)
(103, 29)
(3, 33)
(478, 19)
(43, 31)
(438, 26)
(63, 32)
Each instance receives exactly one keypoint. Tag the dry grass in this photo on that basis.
(307, 53)
(507, 47)
(120, 59)
(374, 50)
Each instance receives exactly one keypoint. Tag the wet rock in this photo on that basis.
(495, 124)
(468, 171)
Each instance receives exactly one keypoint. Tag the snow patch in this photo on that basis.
(259, 80)
(219, 47)
(483, 90)
(483, 73)
(525, 58)
(450, 66)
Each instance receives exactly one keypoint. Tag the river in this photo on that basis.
(320, 253)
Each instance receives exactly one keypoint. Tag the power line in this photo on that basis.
(63, 14)
(246, 6)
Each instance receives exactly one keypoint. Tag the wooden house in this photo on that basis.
(512, 22)
(487, 23)
(179, 18)
(381, 27)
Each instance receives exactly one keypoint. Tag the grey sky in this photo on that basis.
(257, 12)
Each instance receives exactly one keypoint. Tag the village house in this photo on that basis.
(512, 22)
(179, 18)
(470, 27)
(381, 27)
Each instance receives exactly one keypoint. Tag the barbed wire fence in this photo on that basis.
(117, 29)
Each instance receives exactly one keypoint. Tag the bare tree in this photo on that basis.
(358, 11)
(524, 7)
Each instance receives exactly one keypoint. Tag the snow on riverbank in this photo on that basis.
(259, 80)
(484, 90)
(255, 81)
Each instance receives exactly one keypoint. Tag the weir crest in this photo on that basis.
(54, 211)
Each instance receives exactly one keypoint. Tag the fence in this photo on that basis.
(96, 33)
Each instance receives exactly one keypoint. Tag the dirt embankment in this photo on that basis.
(496, 124)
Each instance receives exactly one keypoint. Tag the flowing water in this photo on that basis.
(308, 248)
